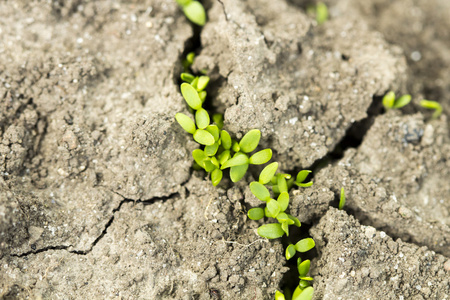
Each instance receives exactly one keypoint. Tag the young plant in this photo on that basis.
(389, 101)
(194, 11)
(429, 104)
(342, 199)
(320, 11)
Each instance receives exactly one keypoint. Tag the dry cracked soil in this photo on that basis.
(98, 198)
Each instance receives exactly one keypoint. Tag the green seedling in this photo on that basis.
(271, 231)
(190, 94)
(301, 177)
(186, 123)
(305, 245)
(320, 11)
(268, 173)
(194, 11)
(429, 104)
(342, 199)
(279, 296)
(390, 102)
(303, 294)
(250, 141)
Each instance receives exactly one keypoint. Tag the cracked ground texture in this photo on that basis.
(97, 198)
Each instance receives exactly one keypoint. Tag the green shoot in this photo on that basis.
(256, 213)
(342, 199)
(250, 141)
(321, 13)
(260, 191)
(279, 296)
(194, 11)
(202, 118)
(237, 172)
(305, 245)
(429, 104)
(261, 157)
(268, 173)
(290, 251)
(186, 123)
(301, 177)
(271, 231)
(191, 96)
(238, 160)
(216, 177)
(283, 200)
(389, 101)
(203, 137)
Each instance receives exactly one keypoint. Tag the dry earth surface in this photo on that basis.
(97, 196)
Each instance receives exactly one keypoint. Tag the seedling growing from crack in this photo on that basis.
(429, 104)
(389, 101)
(194, 11)
(342, 199)
(320, 11)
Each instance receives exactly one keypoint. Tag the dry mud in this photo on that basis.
(97, 195)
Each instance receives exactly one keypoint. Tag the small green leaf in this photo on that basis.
(275, 189)
(261, 157)
(283, 217)
(216, 177)
(290, 251)
(308, 184)
(186, 123)
(268, 172)
(191, 55)
(194, 83)
(303, 284)
(271, 231)
(285, 227)
(388, 100)
(307, 278)
(266, 213)
(283, 200)
(226, 139)
(281, 183)
(209, 165)
(260, 191)
(279, 296)
(183, 2)
(203, 137)
(202, 95)
(187, 77)
(195, 12)
(429, 104)
(212, 149)
(250, 141)
(235, 146)
(236, 173)
(224, 156)
(305, 245)
(199, 157)
(306, 294)
(256, 213)
(303, 268)
(296, 221)
(202, 118)
(238, 160)
(342, 200)
(191, 96)
(202, 83)
(215, 161)
(402, 101)
(218, 119)
(321, 13)
(214, 130)
(301, 176)
(273, 207)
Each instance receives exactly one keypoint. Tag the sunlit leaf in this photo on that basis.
(301, 176)
(202, 83)
(303, 268)
(212, 149)
(388, 100)
(261, 157)
(226, 139)
(202, 118)
(290, 251)
(273, 207)
(235, 146)
(187, 77)
(305, 245)
(296, 221)
(218, 119)
(281, 183)
(214, 130)
(191, 96)
(195, 12)
(279, 296)
(203, 137)
(250, 141)
(209, 165)
(202, 95)
(283, 200)
(238, 160)
(285, 228)
(402, 101)
(224, 156)
(429, 104)
(236, 173)
(342, 199)
(256, 213)
(216, 176)
(268, 172)
(306, 294)
(271, 231)
(260, 191)
(186, 123)
(199, 157)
